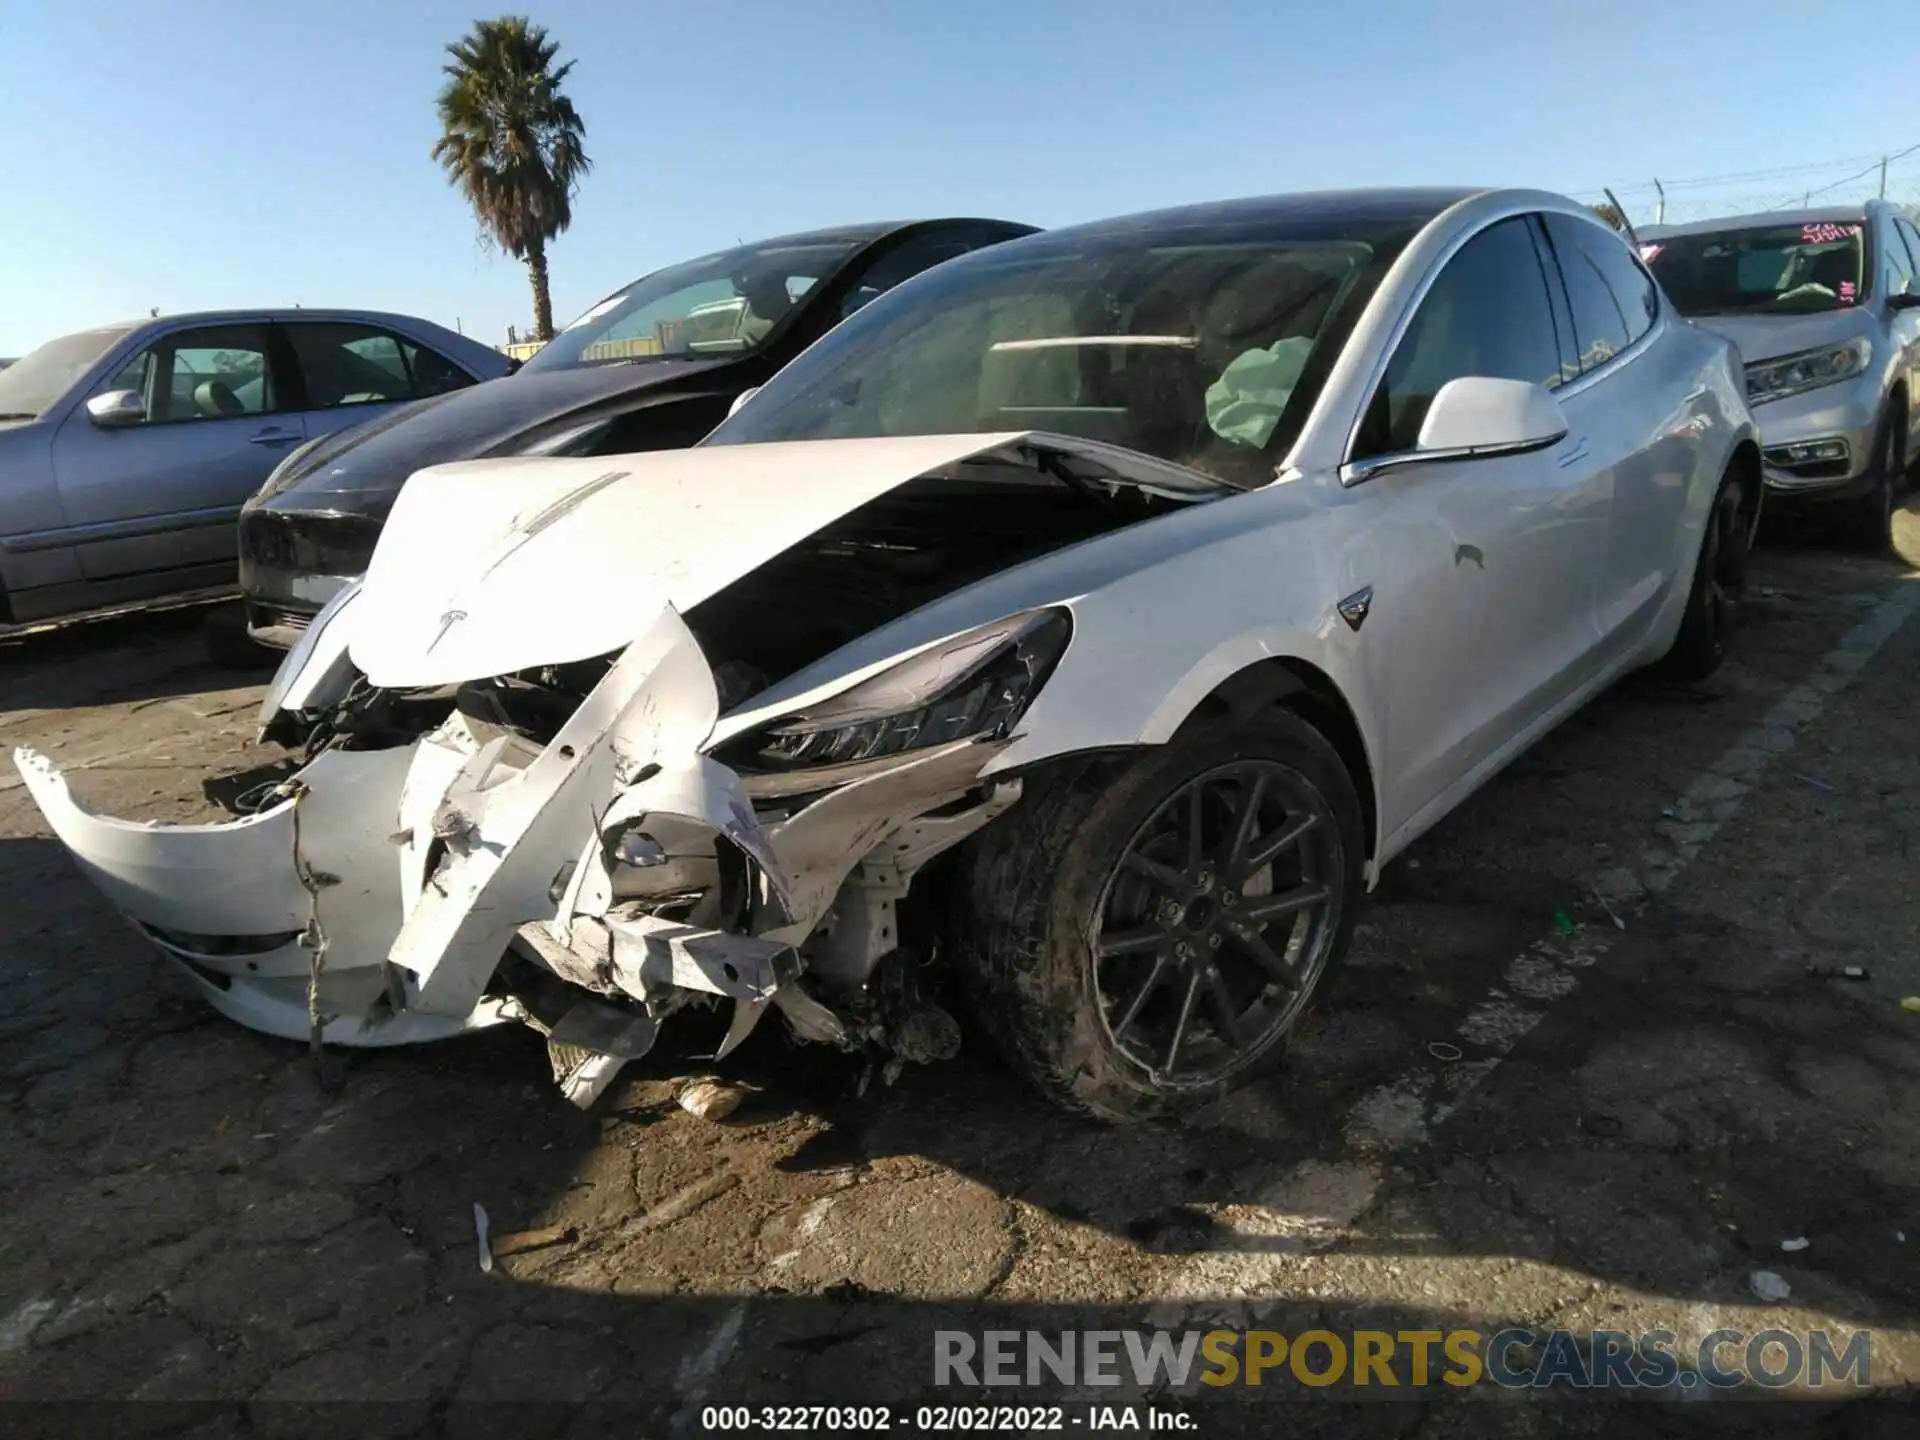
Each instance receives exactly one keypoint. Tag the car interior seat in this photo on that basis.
(215, 400)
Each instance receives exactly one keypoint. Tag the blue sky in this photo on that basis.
(196, 155)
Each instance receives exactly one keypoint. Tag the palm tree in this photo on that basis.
(511, 143)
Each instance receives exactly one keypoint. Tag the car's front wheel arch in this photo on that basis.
(1289, 683)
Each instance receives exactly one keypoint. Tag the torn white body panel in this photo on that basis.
(316, 671)
(227, 902)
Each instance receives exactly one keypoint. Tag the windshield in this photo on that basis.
(725, 304)
(1206, 351)
(33, 384)
(1792, 269)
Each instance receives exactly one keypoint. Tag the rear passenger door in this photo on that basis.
(1629, 408)
(157, 498)
(348, 371)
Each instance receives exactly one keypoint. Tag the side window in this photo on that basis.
(1563, 330)
(1599, 326)
(1901, 242)
(1633, 289)
(903, 262)
(433, 373)
(345, 363)
(219, 372)
(1488, 313)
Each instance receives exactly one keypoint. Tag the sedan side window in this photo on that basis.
(903, 262)
(1633, 289)
(1487, 314)
(346, 363)
(433, 373)
(219, 372)
(1599, 325)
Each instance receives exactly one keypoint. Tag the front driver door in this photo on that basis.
(1488, 562)
(149, 501)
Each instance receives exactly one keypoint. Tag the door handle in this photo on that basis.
(273, 435)
(1574, 455)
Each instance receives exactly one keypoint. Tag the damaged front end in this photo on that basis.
(576, 846)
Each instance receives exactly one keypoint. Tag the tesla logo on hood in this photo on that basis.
(447, 622)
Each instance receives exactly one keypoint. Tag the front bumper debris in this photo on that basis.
(375, 901)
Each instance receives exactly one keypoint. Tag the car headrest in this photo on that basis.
(215, 398)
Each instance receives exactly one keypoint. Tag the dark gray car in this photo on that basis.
(654, 366)
(126, 452)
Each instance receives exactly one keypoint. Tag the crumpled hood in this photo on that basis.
(1763, 337)
(495, 566)
(360, 470)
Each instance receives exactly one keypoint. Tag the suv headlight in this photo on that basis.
(976, 684)
(1807, 370)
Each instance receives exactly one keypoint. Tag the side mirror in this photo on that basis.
(1478, 415)
(1475, 417)
(740, 400)
(117, 409)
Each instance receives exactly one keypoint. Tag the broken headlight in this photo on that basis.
(978, 683)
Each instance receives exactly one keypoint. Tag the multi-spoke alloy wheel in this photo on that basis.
(1144, 933)
(1213, 927)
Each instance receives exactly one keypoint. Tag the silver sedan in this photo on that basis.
(127, 451)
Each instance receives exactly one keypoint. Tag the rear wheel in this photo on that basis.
(1144, 936)
(1719, 585)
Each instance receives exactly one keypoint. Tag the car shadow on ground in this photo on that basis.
(128, 657)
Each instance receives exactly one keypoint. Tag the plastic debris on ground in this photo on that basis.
(1911, 1004)
(1563, 923)
(711, 1099)
(1769, 1286)
(480, 1234)
(1798, 1242)
(521, 1241)
(1838, 972)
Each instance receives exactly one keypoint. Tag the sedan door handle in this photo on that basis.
(1575, 455)
(274, 435)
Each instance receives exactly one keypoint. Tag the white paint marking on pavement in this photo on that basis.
(18, 1327)
(1400, 1113)
(810, 1222)
(1394, 1116)
(697, 1371)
